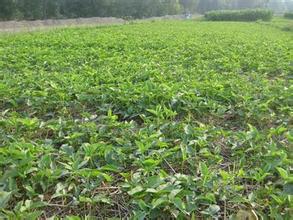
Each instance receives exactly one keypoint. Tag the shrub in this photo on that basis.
(288, 15)
(288, 28)
(240, 15)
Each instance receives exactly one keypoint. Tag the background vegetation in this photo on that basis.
(240, 15)
(44, 9)
(288, 15)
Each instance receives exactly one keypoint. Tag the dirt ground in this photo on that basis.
(17, 26)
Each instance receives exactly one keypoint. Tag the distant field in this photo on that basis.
(21, 26)
(36, 25)
(182, 119)
(280, 23)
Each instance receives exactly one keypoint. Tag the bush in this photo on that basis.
(288, 15)
(288, 28)
(240, 15)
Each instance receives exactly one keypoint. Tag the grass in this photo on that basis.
(41, 25)
(280, 23)
(177, 119)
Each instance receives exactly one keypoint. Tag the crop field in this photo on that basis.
(169, 119)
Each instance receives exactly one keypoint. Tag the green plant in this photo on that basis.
(172, 119)
(239, 15)
(288, 15)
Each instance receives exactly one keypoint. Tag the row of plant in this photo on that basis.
(239, 15)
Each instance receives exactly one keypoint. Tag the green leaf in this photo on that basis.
(32, 215)
(72, 218)
(225, 175)
(174, 193)
(136, 190)
(94, 173)
(110, 167)
(288, 188)
(154, 181)
(158, 202)
(283, 173)
(151, 190)
(179, 204)
(210, 197)
(139, 215)
(188, 129)
(4, 198)
(249, 215)
(150, 162)
(212, 210)
(83, 199)
(204, 169)
(143, 205)
(102, 199)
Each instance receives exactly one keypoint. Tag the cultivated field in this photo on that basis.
(163, 119)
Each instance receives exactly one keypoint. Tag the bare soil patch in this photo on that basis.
(16, 26)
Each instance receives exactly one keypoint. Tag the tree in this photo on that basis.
(7, 9)
(208, 5)
(189, 5)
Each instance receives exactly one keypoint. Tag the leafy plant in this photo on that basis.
(239, 15)
(172, 119)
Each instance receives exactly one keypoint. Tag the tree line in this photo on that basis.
(46, 9)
